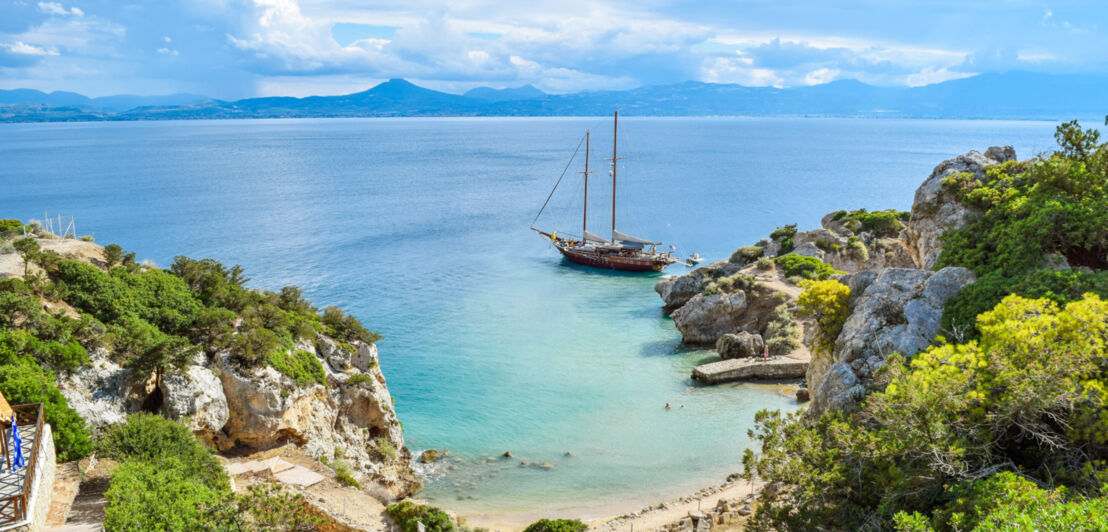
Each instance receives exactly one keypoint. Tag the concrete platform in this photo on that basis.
(737, 369)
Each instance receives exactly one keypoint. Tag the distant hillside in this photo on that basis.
(115, 104)
(1015, 95)
(500, 95)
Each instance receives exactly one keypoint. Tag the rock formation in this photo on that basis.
(896, 310)
(741, 345)
(705, 318)
(935, 210)
(228, 405)
(678, 290)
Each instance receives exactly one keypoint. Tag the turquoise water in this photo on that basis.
(420, 228)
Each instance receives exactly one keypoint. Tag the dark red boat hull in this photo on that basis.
(614, 262)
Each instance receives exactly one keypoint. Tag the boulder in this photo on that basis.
(678, 290)
(430, 455)
(741, 345)
(705, 318)
(899, 311)
(935, 210)
(196, 394)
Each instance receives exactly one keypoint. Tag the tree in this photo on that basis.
(113, 255)
(28, 249)
(826, 302)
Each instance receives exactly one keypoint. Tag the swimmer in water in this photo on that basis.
(667, 406)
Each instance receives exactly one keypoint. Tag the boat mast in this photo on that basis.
(615, 130)
(585, 209)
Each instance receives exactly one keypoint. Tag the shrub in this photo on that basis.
(157, 496)
(746, 255)
(28, 249)
(825, 301)
(1027, 397)
(885, 223)
(382, 449)
(782, 334)
(805, 267)
(22, 381)
(300, 366)
(155, 440)
(113, 255)
(556, 525)
(346, 327)
(858, 250)
(730, 284)
(360, 379)
(407, 515)
(784, 236)
(346, 479)
(765, 263)
(9, 227)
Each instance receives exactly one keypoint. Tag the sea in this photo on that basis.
(492, 343)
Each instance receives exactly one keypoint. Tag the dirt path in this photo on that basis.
(67, 481)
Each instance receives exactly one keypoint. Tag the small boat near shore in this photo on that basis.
(622, 251)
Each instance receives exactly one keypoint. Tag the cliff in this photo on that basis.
(226, 397)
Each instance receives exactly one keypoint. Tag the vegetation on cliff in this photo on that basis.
(1028, 397)
(1033, 216)
(167, 480)
(887, 223)
(152, 321)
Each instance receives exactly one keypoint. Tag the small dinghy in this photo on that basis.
(695, 259)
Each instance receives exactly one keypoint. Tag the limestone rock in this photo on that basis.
(267, 408)
(899, 311)
(676, 291)
(741, 345)
(704, 319)
(102, 393)
(935, 211)
(196, 394)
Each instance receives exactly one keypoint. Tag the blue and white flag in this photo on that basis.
(17, 446)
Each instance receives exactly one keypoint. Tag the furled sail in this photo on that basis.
(595, 238)
(633, 239)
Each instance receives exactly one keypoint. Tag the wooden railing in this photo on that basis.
(13, 508)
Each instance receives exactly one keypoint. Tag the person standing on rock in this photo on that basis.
(765, 354)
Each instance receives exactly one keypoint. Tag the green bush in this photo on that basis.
(407, 515)
(23, 382)
(805, 267)
(158, 496)
(360, 379)
(155, 440)
(765, 263)
(746, 255)
(730, 284)
(825, 301)
(382, 449)
(556, 525)
(1052, 205)
(346, 479)
(9, 228)
(887, 223)
(934, 438)
(342, 326)
(300, 366)
(784, 236)
(782, 334)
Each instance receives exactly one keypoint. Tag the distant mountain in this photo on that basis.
(115, 104)
(1015, 95)
(490, 94)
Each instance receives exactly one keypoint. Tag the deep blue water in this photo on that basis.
(420, 228)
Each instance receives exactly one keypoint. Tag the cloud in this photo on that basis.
(54, 8)
(19, 54)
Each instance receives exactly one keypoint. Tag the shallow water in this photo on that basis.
(420, 228)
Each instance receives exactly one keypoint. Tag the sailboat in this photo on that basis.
(621, 251)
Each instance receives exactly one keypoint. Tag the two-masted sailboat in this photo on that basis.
(622, 251)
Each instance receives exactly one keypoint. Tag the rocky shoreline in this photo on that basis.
(886, 260)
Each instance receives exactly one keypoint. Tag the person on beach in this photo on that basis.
(765, 354)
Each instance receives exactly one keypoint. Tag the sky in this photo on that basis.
(241, 48)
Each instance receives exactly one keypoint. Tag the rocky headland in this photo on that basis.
(886, 259)
(345, 410)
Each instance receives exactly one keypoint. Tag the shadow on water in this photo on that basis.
(661, 348)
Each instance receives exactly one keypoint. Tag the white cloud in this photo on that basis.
(54, 8)
(23, 48)
(167, 51)
(821, 76)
